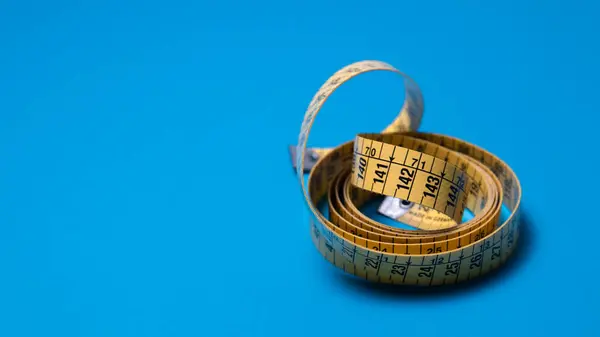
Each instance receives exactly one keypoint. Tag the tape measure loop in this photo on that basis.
(442, 175)
(408, 119)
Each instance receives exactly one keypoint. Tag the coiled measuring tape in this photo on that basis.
(441, 174)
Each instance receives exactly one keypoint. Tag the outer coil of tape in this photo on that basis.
(441, 173)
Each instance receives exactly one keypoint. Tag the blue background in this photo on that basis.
(146, 188)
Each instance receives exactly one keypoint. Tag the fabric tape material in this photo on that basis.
(442, 174)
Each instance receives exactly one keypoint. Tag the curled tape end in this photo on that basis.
(310, 158)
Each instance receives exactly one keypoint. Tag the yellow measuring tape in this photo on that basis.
(441, 174)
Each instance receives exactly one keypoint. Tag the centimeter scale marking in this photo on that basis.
(441, 173)
(418, 164)
(452, 266)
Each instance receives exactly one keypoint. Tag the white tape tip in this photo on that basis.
(394, 207)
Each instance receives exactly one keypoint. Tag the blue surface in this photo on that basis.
(118, 212)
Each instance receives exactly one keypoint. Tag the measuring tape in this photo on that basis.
(438, 175)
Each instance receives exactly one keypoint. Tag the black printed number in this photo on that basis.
(349, 252)
(380, 173)
(406, 176)
(361, 167)
(398, 269)
(372, 263)
(452, 195)
(495, 252)
(437, 250)
(432, 185)
(475, 262)
(510, 239)
(439, 260)
(452, 268)
(355, 233)
(426, 271)
(377, 249)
